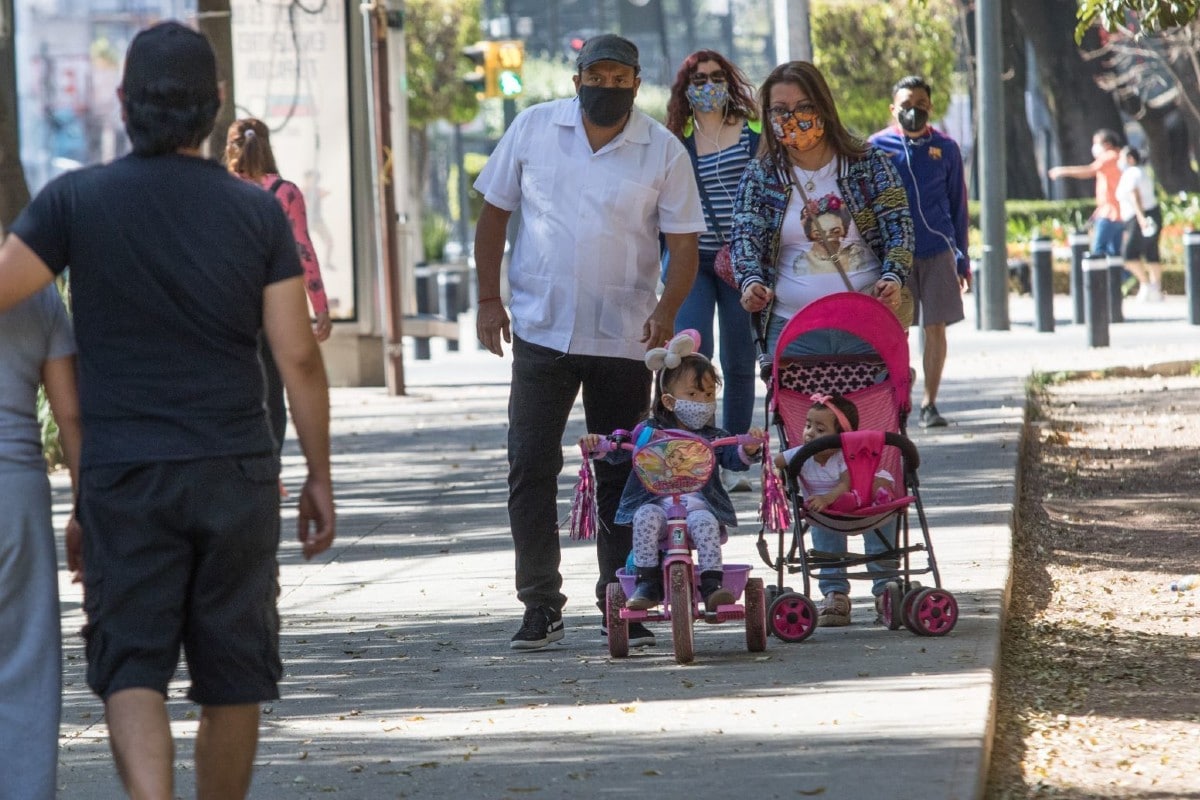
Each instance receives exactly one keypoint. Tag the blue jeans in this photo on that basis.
(1106, 237)
(545, 383)
(833, 579)
(711, 295)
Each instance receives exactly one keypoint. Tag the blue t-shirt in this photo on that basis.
(169, 256)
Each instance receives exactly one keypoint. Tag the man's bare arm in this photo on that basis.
(285, 322)
(22, 272)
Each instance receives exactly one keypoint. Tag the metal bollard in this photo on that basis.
(1116, 277)
(426, 304)
(448, 282)
(1095, 293)
(1041, 252)
(1079, 248)
(977, 273)
(1191, 274)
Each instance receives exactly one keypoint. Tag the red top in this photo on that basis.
(292, 200)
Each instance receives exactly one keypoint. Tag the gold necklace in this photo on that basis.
(810, 178)
(810, 182)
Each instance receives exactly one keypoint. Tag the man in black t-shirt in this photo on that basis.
(175, 267)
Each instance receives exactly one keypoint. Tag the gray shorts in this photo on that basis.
(934, 284)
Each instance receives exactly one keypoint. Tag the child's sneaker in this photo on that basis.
(711, 591)
(648, 592)
(834, 611)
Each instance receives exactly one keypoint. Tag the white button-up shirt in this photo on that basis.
(585, 265)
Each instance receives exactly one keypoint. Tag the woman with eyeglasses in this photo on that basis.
(819, 207)
(810, 169)
(712, 110)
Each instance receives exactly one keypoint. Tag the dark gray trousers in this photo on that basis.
(545, 383)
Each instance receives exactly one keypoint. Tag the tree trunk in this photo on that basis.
(14, 192)
(215, 24)
(1169, 143)
(1077, 104)
(1020, 157)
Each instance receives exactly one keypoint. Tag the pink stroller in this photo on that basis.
(878, 384)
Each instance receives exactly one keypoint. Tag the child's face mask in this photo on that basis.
(694, 415)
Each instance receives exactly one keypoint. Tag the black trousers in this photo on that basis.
(545, 383)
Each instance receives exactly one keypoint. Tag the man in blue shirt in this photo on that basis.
(931, 167)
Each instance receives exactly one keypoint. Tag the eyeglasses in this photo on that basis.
(806, 109)
(701, 78)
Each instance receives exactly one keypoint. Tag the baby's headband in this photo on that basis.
(827, 401)
(683, 344)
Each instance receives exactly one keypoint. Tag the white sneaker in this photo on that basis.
(1155, 295)
(736, 482)
(1143, 292)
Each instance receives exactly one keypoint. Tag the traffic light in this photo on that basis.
(484, 56)
(510, 56)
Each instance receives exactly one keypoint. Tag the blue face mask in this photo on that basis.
(709, 97)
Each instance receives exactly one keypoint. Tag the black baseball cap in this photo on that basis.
(171, 64)
(608, 47)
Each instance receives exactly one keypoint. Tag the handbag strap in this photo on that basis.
(816, 223)
(690, 144)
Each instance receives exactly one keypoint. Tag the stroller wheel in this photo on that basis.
(756, 616)
(891, 603)
(792, 617)
(618, 629)
(934, 612)
(906, 605)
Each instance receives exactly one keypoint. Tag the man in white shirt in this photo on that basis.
(596, 182)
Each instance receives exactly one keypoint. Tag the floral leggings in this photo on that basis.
(650, 533)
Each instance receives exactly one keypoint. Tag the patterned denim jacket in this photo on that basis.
(729, 457)
(874, 195)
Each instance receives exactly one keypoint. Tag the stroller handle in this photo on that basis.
(833, 441)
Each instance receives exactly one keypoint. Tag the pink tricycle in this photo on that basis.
(675, 463)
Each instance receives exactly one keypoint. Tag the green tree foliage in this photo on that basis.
(1153, 15)
(435, 33)
(864, 46)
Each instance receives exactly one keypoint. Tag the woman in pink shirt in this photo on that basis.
(248, 155)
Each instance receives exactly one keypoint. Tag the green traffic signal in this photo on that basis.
(510, 83)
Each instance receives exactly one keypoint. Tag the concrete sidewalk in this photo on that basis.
(400, 683)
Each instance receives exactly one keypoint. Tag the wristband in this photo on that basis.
(490, 299)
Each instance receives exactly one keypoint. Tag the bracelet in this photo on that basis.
(490, 299)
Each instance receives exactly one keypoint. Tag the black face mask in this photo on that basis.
(913, 120)
(605, 106)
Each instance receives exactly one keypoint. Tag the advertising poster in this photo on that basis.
(290, 71)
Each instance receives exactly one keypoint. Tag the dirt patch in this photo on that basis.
(1097, 697)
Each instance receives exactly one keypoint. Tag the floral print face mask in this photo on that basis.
(708, 97)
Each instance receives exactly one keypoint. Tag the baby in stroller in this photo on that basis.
(825, 478)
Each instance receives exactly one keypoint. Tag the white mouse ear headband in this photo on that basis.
(683, 344)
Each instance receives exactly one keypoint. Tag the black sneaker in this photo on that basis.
(541, 626)
(930, 418)
(639, 634)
